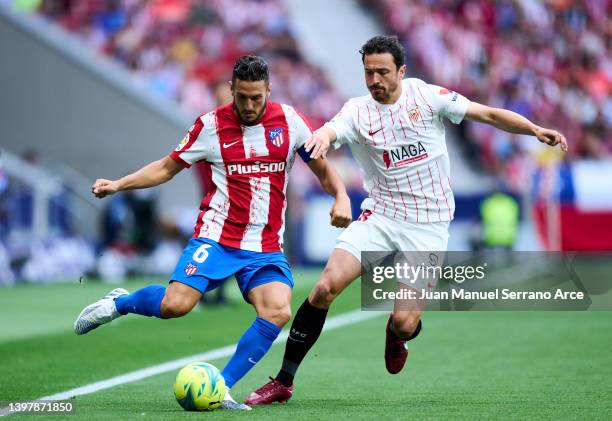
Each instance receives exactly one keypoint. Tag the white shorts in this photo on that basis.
(375, 232)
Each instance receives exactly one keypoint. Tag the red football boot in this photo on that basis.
(271, 392)
(396, 351)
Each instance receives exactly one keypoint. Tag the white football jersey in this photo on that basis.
(401, 148)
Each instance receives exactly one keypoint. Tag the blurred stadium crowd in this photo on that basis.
(548, 60)
(183, 49)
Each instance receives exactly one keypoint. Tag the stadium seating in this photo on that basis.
(182, 50)
(545, 60)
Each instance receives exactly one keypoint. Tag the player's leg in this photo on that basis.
(341, 269)
(159, 301)
(404, 325)
(266, 282)
(417, 244)
(177, 299)
(272, 303)
(196, 272)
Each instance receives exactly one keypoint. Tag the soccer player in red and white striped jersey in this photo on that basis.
(247, 173)
(248, 148)
(397, 136)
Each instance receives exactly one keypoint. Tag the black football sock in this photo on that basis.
(416, 331)
(413, 335)
(305, 331)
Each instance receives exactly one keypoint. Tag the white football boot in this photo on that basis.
(101, 312)
(229, 403)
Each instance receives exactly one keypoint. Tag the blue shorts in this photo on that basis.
(205, 264)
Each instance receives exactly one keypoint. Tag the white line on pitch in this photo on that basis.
(335, 322)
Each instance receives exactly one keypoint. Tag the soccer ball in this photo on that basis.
(199, 386)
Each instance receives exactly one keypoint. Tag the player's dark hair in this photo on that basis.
(384, 44)
(251, 69)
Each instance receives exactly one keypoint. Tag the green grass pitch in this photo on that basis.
(465, 365)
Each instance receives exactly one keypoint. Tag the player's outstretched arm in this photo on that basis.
(319, 142)
(340, 212)
(151, 175)
(514, 123)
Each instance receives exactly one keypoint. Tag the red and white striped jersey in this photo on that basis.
(401, 148)
(247, 169)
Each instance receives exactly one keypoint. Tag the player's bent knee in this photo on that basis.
(405, 323)
(323, 294)
(283, 317)
(279, 316)
(175, 306)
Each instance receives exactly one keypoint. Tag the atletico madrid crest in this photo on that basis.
(190, 269)
(276, 137)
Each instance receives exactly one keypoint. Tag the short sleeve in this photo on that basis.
(191, 148)
(449, 104)
(343, 124)
(302, 130)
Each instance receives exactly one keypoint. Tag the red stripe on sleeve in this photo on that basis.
(176, 156)
(193, 133)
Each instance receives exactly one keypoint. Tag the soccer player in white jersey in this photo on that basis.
(396, 134)
(248, 147)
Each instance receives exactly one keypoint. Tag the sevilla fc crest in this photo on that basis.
(276, 137)
(190, 269)
(414, 114)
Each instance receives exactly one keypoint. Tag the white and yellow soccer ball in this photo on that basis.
(199, 386)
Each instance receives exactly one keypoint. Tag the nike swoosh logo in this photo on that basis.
(227, 145)
(372, 133)
(251, 361)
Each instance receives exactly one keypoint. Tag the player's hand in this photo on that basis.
(551, 137)
(102, 188)
(341, 215)
(318, 144)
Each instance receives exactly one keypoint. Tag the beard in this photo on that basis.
(382, 94)
(249, 121)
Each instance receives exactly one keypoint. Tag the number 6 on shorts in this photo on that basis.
(201, 254)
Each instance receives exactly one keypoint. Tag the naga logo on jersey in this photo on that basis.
(276, 137)
(190, 269)
(258, 167)
(404, 155)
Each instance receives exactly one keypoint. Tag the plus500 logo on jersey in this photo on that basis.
(263, 167)
(404, 155)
